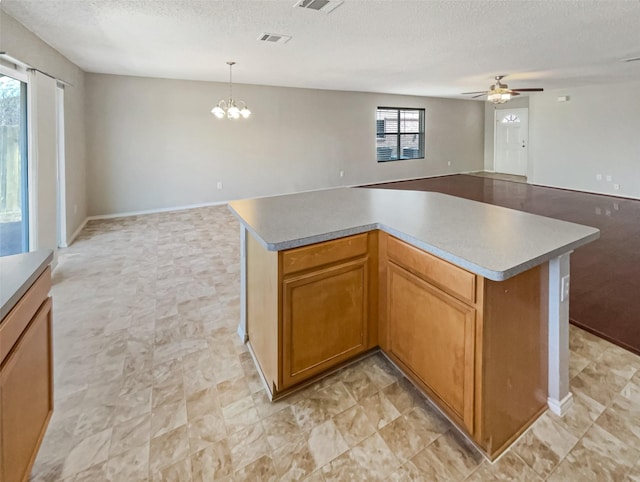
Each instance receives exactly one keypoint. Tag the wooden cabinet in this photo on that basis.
(432, 334)
(476, 347)
(312, 308)
(324, 319)
(26, 386)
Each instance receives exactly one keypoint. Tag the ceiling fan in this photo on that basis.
(500, 93)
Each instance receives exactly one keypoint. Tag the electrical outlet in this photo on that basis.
(341, 173)
(616, 187)
(598, 177)
(609, 178)
(449, 163)
(220, 185)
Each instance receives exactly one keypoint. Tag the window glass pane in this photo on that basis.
(410, 121)
(387, 148)
(510, 119)
(410, 146)
(387, 120)
(13, 173)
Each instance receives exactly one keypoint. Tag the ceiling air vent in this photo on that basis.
(325, 6)
(274, 38)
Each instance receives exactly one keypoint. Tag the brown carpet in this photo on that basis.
(605, 274)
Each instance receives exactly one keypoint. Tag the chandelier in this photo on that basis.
(231, 109)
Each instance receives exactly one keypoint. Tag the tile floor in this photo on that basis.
(152, 383)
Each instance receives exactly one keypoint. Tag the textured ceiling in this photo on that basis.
(436, 48)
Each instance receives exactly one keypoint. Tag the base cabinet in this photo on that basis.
(26, 388)
(433, 335)
(476, 347)
(310, 309)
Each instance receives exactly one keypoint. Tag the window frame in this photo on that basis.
(20, 74)
(421, 133)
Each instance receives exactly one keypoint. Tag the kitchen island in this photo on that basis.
(469, 300)
(26, 363)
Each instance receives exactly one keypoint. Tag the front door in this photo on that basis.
(512, 141)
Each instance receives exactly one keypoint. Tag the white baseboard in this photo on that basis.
(71, 239)
(242, 334)
(220, 203)
(75, 234)
(560, 407)
(575, 189)
(413, 178)
(155, 211)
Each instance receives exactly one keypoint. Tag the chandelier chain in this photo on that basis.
(230, 80)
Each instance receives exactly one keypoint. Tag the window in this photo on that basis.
(14, 212)
(399, 134)
(510, 119)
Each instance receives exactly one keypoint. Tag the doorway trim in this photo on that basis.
(61, 171)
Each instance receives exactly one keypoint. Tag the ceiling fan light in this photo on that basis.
(498, 96)
(499, 93)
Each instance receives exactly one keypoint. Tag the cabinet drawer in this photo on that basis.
(306, 257)
(456, 281)
(19, 317)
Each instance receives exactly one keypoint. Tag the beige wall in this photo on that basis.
(153, 143)
(595, 132)
(571, 142)
(20, 43)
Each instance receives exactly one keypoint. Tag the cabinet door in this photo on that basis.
(324, 319)
(26, 397)
(433, 335)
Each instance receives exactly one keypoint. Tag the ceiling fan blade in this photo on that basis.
(513, 93)
(479, 92)
(527, 90)
(476, 96)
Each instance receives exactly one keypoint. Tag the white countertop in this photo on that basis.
(17, 273)
(491, 241)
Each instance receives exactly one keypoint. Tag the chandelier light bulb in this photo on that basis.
(233, 112)
(245, 112)
(218, 112)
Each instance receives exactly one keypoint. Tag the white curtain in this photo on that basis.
(42, 162)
